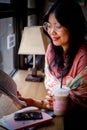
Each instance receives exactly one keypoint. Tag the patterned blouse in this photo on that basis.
(80, 62)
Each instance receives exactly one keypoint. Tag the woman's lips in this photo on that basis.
(55, 38)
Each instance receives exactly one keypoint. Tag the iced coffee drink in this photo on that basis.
(61, 96)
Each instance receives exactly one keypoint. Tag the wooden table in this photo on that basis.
(35, 90)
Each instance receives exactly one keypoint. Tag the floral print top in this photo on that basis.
(80, 62)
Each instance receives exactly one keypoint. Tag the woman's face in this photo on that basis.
(59, 34)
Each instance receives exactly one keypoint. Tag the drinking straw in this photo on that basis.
(61, 80)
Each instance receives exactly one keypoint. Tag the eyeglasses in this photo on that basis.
(49, 27)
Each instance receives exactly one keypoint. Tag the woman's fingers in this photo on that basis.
(50, 93)
(49, 100)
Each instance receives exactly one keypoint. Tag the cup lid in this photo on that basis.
(61, 91)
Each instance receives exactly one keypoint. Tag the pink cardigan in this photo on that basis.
(80, 62)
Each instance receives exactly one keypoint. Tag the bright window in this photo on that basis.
(6, 54)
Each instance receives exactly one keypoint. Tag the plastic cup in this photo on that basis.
(60, 100)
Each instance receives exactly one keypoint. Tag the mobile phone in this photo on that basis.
(28, 115)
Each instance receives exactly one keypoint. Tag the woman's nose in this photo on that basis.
(52, 31)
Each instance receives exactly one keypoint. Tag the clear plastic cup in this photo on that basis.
(61, 96)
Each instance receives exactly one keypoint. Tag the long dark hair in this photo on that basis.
(69, 14)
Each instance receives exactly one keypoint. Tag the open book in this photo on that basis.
(9, 88)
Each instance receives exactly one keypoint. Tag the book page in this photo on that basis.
(9, 87)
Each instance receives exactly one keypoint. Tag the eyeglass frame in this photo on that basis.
(57, 28)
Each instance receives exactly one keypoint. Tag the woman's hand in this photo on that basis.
(29, 101)
(49, 100)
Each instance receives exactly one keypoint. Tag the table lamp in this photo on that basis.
(33, 42)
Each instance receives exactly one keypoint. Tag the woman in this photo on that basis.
(66, 55)
(67, 52)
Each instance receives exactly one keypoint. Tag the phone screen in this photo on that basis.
(28, 116)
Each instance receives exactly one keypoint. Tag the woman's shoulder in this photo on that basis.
(49, 49)
(84, 47)
(80, 61)
(49, 53)
(81, 56)
(82, 50)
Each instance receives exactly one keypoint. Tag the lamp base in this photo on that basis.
(34, 78)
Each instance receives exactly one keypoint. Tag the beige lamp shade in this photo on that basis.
(33, 41)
